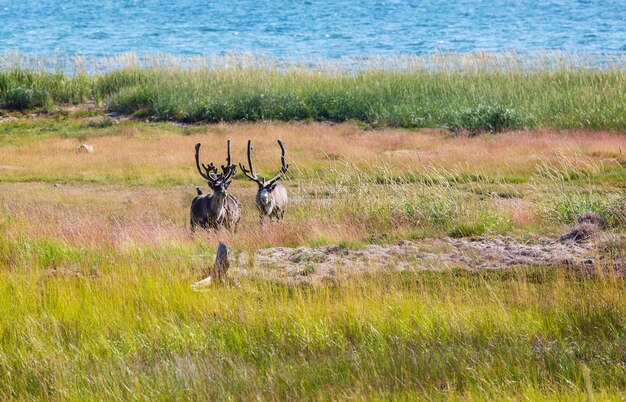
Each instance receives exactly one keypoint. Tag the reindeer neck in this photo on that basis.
(220, 200)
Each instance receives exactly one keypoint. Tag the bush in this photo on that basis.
(113, 82)
(568, 207)
(131, 99)
(616, 215)
(21, 98)
(103, 122)
(466, 230)
(492, 119)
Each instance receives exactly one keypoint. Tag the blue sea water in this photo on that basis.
(324, 28)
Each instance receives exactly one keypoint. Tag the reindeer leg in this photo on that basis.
(206, 224)
(236, 226)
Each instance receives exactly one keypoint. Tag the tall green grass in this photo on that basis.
(140, 333)
(475, 95)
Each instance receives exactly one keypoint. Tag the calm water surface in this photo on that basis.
(323, 28)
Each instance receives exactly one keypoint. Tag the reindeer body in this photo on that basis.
(220, 208)
(212, 211)
(233, 213)
(271, 198)
(272, 203)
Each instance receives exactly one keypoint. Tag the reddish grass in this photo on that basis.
(149, 155)
(142, 202)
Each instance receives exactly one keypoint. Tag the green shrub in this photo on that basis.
(101, 122)
(131, 99)
(465, 230)
(21, 98)
(491, 119)
(440, 211)
(113, 82)
(567, 207)
(616, 212)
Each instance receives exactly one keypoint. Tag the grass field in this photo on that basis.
(96, 263)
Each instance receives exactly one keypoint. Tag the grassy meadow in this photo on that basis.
(96, 256)
(96, 263)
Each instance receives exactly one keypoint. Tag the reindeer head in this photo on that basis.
(218, 182)
(265, 188)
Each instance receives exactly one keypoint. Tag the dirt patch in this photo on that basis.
(8, 119)
(306, 264)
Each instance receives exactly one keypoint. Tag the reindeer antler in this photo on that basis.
(250, 173)
(284, 166)
(210, 173)
(227, 166)
(229, 169)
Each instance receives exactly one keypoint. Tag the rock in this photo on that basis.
(593, 219)
(580, 232)
(8, 119)
(85, 149)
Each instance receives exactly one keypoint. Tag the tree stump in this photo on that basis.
(218, 271)
(221, 265)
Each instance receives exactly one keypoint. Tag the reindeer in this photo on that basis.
(271, 199)
(218, 209)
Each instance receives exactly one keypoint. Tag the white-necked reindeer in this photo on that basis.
(271, 199)
(220, 208)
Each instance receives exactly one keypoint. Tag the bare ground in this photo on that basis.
(599, 253)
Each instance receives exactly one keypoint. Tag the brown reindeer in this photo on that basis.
(271, 199)
(220, 208)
